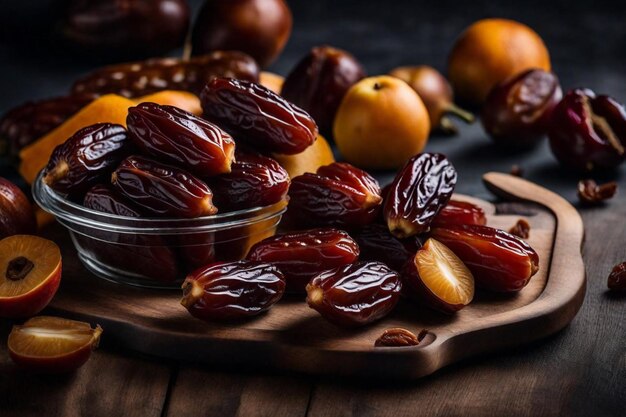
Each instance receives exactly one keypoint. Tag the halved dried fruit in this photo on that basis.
(355, 294)
(257, 116)
(232, 290)
(30, 273)
(338, 195)
(162, 189)
(179, 137)
(86, 158)
(52, 344)
(459, 212)
(419, 191)
(301, 256)
(498, 260)
(437, 277)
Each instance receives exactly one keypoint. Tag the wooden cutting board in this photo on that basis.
(293, 337)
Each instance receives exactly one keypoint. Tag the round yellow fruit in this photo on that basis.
(381, 123)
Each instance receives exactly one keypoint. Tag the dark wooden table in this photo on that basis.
(580, 371)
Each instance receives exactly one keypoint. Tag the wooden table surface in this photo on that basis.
(580, 371)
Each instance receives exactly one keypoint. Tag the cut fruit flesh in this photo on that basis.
(25, 263)
(51, 337)
(444, 274)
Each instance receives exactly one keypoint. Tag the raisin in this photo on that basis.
(232, 290)
(257, 116)
(520, 229)
(378, 244)
(459, 212)
(590, 193)
(135, 79)
(355, 294)
(498, 260)
(163, 190)
(617, 277)
(176, 136)
(418, 192)
(339, 195)
(301, 256)
(86, 158)
(399, 337)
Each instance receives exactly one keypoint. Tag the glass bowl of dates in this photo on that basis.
(154, 252)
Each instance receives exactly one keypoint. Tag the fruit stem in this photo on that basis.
(18, 268)
(447, 127)
(55, 174)
(192, 292)
(315, 296)
(462, 114)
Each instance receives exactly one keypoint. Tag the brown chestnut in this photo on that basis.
(16, 212)
(259, 28)
(436, 93)
(319, 82)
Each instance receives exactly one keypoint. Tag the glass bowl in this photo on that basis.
(156, 252)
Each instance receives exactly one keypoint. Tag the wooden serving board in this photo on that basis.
(291, 336)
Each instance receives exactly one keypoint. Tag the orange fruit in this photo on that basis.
(313, 157)
(272, 81)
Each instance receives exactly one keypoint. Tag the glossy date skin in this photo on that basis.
(517, 111)
(163, 190)
(24, 124)
(376, 243)
(588, 132)
(498, 260)
(320, 80)
(130, 27)
(338, 195)
(254, 180)
(418, 193)
(86, 158)
(459, 212)
(229, 291)
(303, 255)
(135, 79)
(102, 198)
(257, 116)
(355, 294)
(179, 137)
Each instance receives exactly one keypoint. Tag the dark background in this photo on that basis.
(580, 371)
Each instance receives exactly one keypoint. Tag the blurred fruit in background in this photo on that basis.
(259, 28)
(490, 51)
(129, 28)
(436, 93)
(16, 212)
(517, 111)
(319, 82)
(381, 123)
(313, 157)
(272, 81)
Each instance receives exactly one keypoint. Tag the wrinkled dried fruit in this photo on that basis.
(232, 290)
(338, 195)
(179, 137)
(257, 116)
(319, 81)
(86, 158)
(102, 198)
(419, 191)
(16, 212)
(254, 181)
(399, 337)
(498, 260)
(376, 243)
(459, 212)
(355, 294)
(438, 278)
(617, 278)
(301, 256)
(163, 190)
(589, 192)
(135, 79)
(23, 125)
(520, 229)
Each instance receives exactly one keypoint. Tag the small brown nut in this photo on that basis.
(617, 278)
(589, 192)
(397, 337)
(516, 171)
(520, 229)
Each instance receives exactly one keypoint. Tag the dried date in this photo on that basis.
(179, 137)
(226, 291)
(459, 212)
(590, 193)
(301, 256)
(378, 244)
(520, 229)
(102, 198)
(355, 294)
(418, 193)
(86, 158)
(399, 337)
(140, 78)
(617, 278)
(163, 190)
(257, 116)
